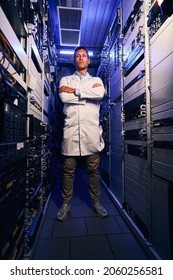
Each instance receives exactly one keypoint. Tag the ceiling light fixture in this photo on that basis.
(68, 52)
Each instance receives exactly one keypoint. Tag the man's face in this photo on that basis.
(81, 60)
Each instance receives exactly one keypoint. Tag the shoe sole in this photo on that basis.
(63, 218)
(99, 215)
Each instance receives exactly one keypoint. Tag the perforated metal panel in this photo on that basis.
(69, 23)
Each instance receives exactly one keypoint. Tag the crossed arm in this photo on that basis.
(72, 90)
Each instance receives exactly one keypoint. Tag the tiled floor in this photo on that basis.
(84, 235)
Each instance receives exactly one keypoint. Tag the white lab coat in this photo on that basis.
(82, 134)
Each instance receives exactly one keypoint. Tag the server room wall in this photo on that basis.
(139, 110)
(27, 99)
(162, 108)
(136, 115)
(135, 189)
(116, 123)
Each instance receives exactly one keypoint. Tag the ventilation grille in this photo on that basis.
(70, 3)
(69, 22)
(70, 38)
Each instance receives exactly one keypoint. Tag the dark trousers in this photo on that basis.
(70, 163)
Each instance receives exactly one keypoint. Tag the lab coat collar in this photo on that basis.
(76, 76)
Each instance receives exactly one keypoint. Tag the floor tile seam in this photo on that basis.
(120, 233)
(120, 225)
(83, 235)
(104, 219)
(53, 228)
(70, 248)
(96, 234)
(107, 233)
(93, 235)
(53, 238)
(88, 234)
(110, 246)
(127, 233)
(69, 236)
(86, 226)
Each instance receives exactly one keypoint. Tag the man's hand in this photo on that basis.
(66, 89)
(96, 85)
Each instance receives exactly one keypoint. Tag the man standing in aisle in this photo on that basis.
(82, 134)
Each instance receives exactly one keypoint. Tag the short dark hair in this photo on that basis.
(80, 48)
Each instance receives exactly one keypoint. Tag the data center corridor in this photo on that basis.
(84, 236)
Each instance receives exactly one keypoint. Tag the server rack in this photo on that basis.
(135, 121)
(27, 94)
(109, 63)
(141, 122)
(13, 100)
(160, 24)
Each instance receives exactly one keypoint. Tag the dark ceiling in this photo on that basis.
(81, 22)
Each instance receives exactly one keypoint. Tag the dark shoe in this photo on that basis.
(100, 210)
(63, 212)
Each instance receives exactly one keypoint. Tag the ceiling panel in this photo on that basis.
(97, 17)
(69, 25)
(70, 38)
(91, 25)
(70, 18)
